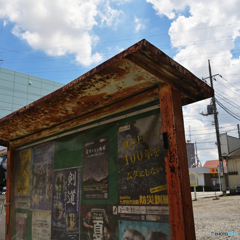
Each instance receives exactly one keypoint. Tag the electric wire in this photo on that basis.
(229, 82)
(146, 36)
(227, 110)
(156, 35)
(228, 88)
(229, 102)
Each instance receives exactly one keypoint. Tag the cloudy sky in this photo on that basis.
(60, 40)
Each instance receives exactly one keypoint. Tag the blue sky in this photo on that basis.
(127, 24)
(61, 40)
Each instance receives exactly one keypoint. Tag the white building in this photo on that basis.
(230, 147)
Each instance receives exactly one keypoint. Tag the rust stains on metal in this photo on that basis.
(133, 71)
(140, 99)
(172, 73)
(9, 184)
(179, 195)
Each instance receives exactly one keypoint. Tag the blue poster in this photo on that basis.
(66, 204)
(144, 230)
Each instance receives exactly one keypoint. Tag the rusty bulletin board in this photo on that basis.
(123, 184)
(81, 123)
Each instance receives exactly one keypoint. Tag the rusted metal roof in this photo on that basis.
(133, 76)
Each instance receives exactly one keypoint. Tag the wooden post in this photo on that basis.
(9, 185)
(178, 183)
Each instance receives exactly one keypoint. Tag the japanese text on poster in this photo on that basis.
(99, 222)
(96, 169)
(22, 202)
(41, 225)
(66, 204)
(144, 213)
(141, 171)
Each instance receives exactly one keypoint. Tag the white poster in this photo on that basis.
(41, 225)
(22, 202)
(21, 226)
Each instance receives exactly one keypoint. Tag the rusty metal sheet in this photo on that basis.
(179, 193)
(138, 100)
(138, 69)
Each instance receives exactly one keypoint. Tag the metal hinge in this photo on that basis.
(165, 140)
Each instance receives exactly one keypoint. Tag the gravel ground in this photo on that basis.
(217, 216)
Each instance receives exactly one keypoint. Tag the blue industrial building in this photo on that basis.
(18, 90)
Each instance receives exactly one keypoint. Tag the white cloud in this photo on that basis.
(60, 27)
(120, 2)
(109, 16)
(208, 32)
(199, 129)
(139, 24)
(211, 27)
(168, 7)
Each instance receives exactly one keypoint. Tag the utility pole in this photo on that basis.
(217, 132)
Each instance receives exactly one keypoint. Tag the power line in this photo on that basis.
(228, 111)
(229, 83)
(229, 102)
(228, 88)
(156, 35)
(42, 49)
(36, 56)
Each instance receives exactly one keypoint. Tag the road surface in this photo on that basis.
(205, 194)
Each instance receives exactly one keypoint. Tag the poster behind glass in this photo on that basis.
(141, 165)
(66, 204)
(99, 221)
(96, 169)
(22, 186)
(144, 230)
(41, 225)
(42, 174)
(21, 226)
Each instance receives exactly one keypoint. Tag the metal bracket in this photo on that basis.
(7, 203)
(7, 173)
(165, 141)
